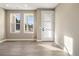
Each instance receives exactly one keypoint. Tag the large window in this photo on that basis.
(29, 23)
(14, 22)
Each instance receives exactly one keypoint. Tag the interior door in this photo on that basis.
(47, 29)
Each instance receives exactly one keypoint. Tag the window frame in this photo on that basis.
(28, 14)
(11, 18)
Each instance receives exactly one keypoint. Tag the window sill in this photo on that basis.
(28, 32)
(15, 32)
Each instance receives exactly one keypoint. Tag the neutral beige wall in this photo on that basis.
(59, 22)
(2, 23)
(20, 35)
(67, 24)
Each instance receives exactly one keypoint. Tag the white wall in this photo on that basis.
(2, 24)
(67, 27)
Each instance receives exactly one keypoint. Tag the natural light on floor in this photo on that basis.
(50, 47)
(68, 45)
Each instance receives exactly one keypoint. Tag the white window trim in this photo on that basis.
(16, 31)
(25, 14)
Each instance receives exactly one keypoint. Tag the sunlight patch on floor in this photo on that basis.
(50, 47)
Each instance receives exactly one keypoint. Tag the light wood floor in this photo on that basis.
(30, 49)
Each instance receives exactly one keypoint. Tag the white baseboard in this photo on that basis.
(20, 39)
(1, 41)
(44, 40)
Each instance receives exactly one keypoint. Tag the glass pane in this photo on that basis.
(17, 18)
(30, 23)
(25, 27)
(17, 26)
(25, 21)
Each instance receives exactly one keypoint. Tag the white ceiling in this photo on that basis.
(27, 6)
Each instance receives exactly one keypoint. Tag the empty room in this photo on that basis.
(39, 29)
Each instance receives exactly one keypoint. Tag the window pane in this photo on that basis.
(25, 21)
(25, 27)
(30, 23)
(17, 18)
(17, 26)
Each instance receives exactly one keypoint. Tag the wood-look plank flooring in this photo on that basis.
(30, 49)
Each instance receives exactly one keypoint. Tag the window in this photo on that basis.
(17, 22)
(28, 23)
(14, 22)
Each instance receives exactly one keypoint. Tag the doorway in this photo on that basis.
(47, 25)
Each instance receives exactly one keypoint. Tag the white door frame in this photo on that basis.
(52, 26)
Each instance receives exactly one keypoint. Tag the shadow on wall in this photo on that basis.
(68, 45)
